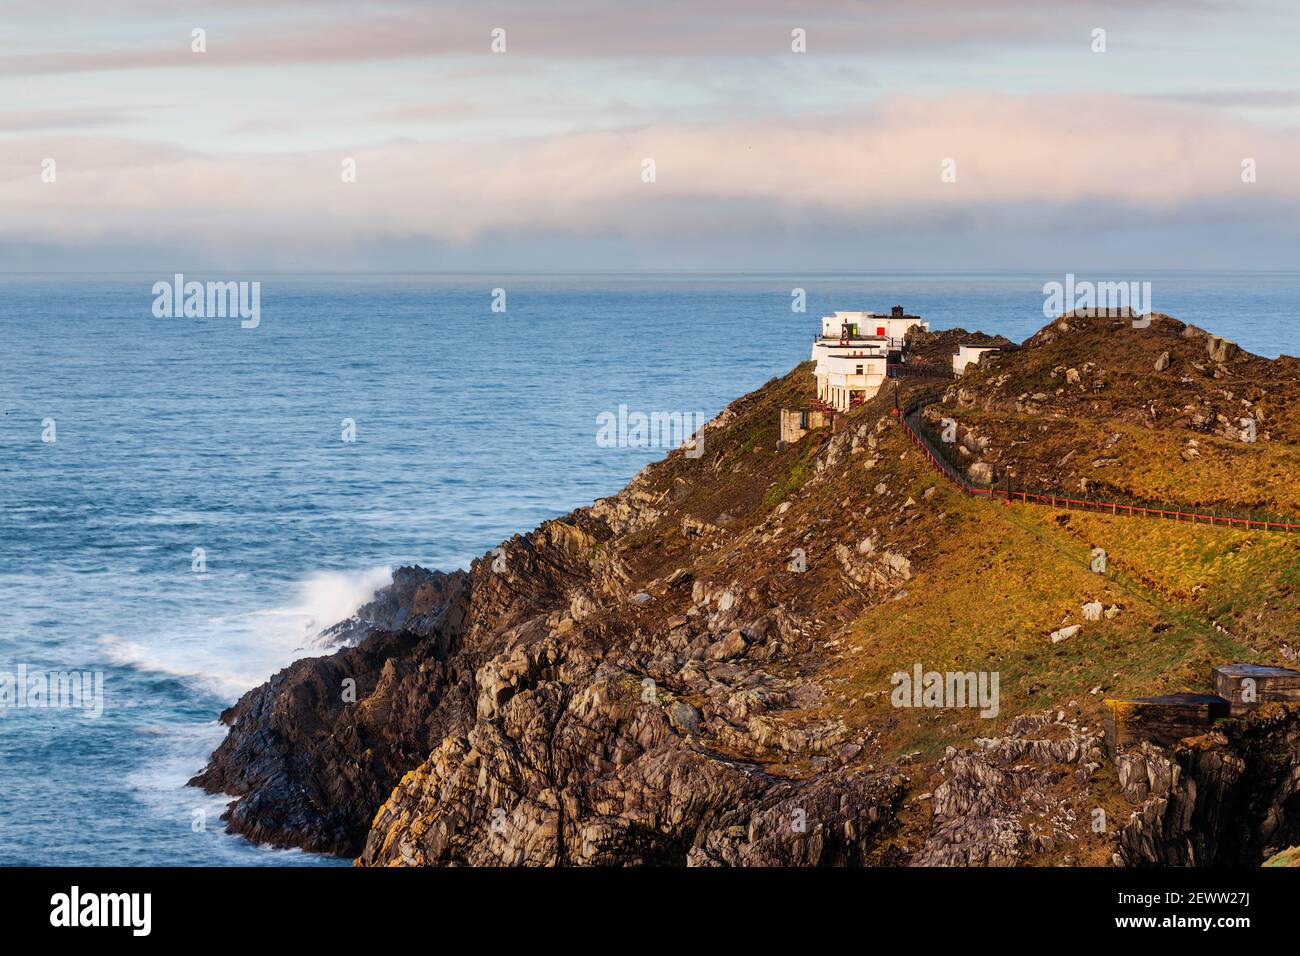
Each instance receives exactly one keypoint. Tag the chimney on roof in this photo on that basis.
(898, 311)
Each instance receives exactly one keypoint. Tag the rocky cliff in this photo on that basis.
(1228, 798)
(699, 670)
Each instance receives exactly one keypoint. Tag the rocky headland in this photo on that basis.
(697, 670)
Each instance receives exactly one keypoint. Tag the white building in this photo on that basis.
(892, 328)
(969, 355)
(853, 351)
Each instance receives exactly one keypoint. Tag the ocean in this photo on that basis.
(180, 508)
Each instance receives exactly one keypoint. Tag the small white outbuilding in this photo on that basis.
(969, 355)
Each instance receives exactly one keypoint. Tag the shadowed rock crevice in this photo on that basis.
(1227, 798)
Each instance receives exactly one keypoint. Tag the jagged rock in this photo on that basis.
(1220, 350)
(696, 528)
(898, 564)
(581, 606)
(685, 717)
(730, 647)
(998, 804)
(500, 678)
(1092, 611)
(628, 511)
(647, 798)
(292, 753)
(980, 473)
(410, 602)
(1162, 363)
(1226, 798)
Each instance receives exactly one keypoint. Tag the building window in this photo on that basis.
(859, 371)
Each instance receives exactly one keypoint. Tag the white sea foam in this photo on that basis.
(190, 816)
(328, 597)
(232, 653)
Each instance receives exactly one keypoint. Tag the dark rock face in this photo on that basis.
(410, 603)
(598, 776)
(311, 755)
(1227, 798)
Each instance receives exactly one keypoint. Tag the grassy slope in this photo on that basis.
(1123, 425)
(990, 581)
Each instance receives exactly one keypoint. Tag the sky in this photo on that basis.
(680, 135)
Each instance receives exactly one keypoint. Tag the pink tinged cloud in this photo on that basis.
(884, 165)
(295, 32)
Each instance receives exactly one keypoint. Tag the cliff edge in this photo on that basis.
(702, 668)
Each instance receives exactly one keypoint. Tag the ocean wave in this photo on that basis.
(229, 654)
(190, 818)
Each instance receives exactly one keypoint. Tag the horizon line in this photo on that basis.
(663, 272)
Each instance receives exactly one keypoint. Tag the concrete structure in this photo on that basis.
(853, 351)
(1162, 720)
(797, 422)
(1167, 720)
(970, 354)
(1247, 686)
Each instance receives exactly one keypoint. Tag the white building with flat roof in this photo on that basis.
(853, 352)
(970, 355)
(892, 327)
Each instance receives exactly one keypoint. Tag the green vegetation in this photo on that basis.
(803, 468)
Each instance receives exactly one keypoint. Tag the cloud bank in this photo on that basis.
(940, 131)
(909, 164)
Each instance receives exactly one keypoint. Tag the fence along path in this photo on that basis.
(910, 418)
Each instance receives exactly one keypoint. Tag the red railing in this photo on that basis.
(1055, 500)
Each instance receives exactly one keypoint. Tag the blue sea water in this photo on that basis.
(471, 425)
